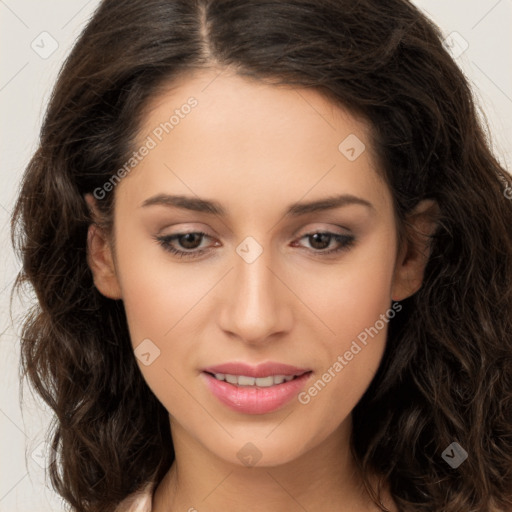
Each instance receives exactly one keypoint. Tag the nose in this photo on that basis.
(256, 306)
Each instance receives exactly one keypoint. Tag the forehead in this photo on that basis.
(227, 103)
(216, 134)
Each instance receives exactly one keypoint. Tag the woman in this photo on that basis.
(272, 255)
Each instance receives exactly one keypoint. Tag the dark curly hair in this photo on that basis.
(446, 374)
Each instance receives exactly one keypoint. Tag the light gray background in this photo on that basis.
(25, 83)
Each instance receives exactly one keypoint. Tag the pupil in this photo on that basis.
(317, 239)
(188, 240)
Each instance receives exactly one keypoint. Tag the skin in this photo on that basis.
(256, 149)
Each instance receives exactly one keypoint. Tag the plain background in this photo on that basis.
(26, 77)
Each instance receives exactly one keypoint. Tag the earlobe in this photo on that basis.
(415, 252)
(100, 258)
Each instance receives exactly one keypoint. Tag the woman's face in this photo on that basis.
(259, 287)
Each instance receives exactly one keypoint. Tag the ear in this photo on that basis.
(415, 251)
(100, 256)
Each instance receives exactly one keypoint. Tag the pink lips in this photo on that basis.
(254, 399)
(262, 370)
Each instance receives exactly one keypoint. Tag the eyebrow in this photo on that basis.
(197, 204)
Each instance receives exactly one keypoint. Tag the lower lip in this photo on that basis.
(252, 399)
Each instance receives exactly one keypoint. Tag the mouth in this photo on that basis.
(246, 394)
(260, 382)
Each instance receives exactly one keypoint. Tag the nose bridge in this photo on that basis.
(253, 310)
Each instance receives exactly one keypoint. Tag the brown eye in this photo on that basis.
(320, 240)
(188, 241)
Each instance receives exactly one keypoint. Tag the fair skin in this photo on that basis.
(256, 149)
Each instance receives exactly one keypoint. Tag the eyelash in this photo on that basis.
(347, 241)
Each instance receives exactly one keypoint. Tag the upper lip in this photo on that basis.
(261, 370)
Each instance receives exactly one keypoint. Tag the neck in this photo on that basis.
(323, 478)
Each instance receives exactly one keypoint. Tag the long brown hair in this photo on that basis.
(446, 375)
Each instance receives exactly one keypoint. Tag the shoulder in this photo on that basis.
(139, 501)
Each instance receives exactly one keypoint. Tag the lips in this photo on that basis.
(261, 370)
(255, 389)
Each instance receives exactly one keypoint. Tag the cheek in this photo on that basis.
(159, 305)
(365, 296)
(156, 294)
(356, 306)
(351, 296)
(164, 304)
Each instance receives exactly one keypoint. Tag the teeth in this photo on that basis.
(263, 382)
(246, 381)
(230, 378)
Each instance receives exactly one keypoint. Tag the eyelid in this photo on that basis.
(329, 229)
(179, 230)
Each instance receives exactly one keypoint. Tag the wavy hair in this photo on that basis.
(446, 374)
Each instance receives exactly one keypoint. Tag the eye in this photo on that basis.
(189, 241)
(320, 240)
